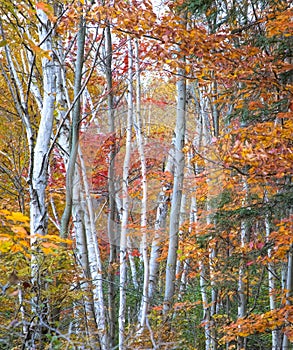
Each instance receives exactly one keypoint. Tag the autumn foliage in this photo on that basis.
(234, 263)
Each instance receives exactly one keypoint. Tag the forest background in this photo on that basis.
(146, 174)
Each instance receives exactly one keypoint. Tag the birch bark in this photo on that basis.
(40, 155)
(286, 344)
(95, 262)
(39, 152)
(176, 194)
(160, 230)
(125, 203)
(143, 220)
(271, 280)
(202, 139)
(242, 283)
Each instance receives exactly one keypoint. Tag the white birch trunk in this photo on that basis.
(271, 281)
(289, 288)
(192, 220)
(132, 264)
(40, 156)
(83, 262)
(214, 292)
(143, 222)
(179, 266)
(176, 194)
(125, 204)
(39, 170)
(160, 231)
(203, 282)
(38, 167)
(214, 297)
(242, 284)
(202, 138)
(95, 263)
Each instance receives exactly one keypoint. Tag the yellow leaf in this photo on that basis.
(18, 217)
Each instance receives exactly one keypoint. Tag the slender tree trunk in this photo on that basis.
(125, 204)
(132, 264)
(214, 107)
(83, 262)
(179, 265)
(193, 217)
(203, 282)
(212, 268)
(74, 136)
(111, 225)
(214, 296)
(271, 282)
(143, 222)
(160, 231)
(202, 139)
(289, 288)
(40, 154)
(176, 194)
(242, 284)
(95, 263)
(213, 248)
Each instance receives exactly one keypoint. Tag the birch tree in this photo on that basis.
(143, 221)
(125, 202)
(272, 273)
(39, 147)
(160, 229)
(84, 207)
(111, 226)
(176, 193)
(75, 127)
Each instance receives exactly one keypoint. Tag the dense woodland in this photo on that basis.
(146, 174)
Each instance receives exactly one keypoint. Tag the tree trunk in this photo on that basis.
(125, 204)
(88, 314)
(289, 288)
(242, 283)
(271, 281)
(203, 281)
(143, 220)
(176, 194)
(193, 217)
(160, 231)
(111, 225)
(38, 168)
(95, 263)
(74, 136)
